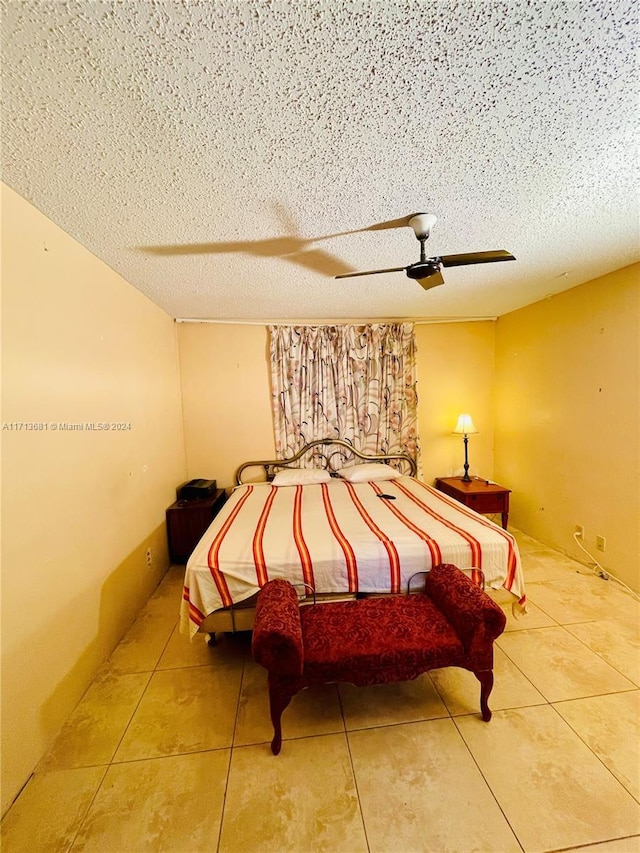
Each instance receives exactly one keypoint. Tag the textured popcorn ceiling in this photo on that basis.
(235, 134)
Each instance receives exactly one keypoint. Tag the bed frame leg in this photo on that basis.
(212, 639)
(486, 686)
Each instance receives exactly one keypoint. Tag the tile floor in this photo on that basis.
(168, 749)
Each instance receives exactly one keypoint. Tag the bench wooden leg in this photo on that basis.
(278, 701)
(486, 686)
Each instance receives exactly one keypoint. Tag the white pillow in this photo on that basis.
(300, 477)
(369, 472)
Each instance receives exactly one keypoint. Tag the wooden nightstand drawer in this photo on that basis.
(486, 502)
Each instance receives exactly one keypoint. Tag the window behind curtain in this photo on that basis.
(357, 383)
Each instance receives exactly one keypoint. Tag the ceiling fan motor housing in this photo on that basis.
(423, 269)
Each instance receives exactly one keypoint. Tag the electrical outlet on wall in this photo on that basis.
(601, 543)
(579, 531)
(149, 557)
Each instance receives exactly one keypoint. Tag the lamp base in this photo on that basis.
(466, 478)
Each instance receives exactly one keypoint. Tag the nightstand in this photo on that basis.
(477, 494)
(188, 520)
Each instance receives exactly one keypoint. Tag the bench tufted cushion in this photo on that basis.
(375, 639)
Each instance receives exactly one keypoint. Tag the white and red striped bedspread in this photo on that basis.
(340, 537)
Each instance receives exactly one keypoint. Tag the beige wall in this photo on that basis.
(79, 508)
(226, 398)
(455, 375)
(567, 418)
(225, 376)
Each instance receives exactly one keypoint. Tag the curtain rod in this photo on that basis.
(420, 322)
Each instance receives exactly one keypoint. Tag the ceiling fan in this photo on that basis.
(426, 271)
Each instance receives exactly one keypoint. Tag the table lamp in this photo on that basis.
(466, 428)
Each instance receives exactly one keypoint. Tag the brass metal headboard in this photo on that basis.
(321, 453)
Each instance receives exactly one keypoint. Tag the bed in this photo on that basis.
(336, 523)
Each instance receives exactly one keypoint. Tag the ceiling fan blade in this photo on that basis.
(476, 258)
(370, 272)
(391, 223)
(430, 281)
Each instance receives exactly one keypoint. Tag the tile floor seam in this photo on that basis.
(358, 797)
(591, 845)
(223, 807)
(267, 743)
(486, 782)
(404, 723)
(88, 809)
(589, 747)
(164, 648)
(130, 761)
(598, 655)
(19, 794)
(232, 748)
(595, 695)
(237, 713)
(609, 663)
(133, 713)
(353, 769)
(525, 676)
(192, 666)
(441, 695)
(590, 695)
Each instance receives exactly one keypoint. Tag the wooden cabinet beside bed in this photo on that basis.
(477, 494)
(188, 520)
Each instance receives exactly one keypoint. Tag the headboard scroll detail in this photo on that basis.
(330, 454)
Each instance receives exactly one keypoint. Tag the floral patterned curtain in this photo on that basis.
(357, 383)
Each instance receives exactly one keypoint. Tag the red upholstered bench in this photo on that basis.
(374, 640)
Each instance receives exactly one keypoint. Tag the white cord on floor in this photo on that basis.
(603, 573)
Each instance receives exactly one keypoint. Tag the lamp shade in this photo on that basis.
(464, 426)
